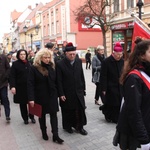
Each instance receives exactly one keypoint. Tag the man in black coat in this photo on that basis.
(71, 89)
(4, 74)
(88, 59)
(110, 86)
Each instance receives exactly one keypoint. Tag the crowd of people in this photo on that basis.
(122, 89)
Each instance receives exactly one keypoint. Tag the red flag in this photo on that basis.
(140, 31)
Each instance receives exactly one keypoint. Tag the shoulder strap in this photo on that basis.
(141, 76)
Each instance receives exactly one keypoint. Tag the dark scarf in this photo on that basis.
(100, 57)
(24, 61)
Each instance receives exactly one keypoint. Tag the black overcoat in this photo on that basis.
(71, 83)
(109, 79)
(42, 89)
(134, 119)
(4, 70)
(18, 79)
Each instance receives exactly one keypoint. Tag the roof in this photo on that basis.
(15, 15)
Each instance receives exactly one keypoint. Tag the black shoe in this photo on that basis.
(33, 120)
(69, 130)
(107, 119)
(26, 122)
(83, 132)
(8, 119)
(45, 136)
(57, 139)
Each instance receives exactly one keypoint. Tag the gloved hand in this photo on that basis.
(145, 146)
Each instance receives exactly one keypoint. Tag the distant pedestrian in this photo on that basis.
(4, 76)
(71, 89)
(96, 68)
(18, 84)
(111, 88)
(88, 59)
(42, 90)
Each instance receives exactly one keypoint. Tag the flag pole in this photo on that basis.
(140, 21)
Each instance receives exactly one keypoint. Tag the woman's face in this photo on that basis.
(46, 59)
(100, 52)
(22, 55)
(147, 55)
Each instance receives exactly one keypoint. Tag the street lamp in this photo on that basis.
(25, 28)
(139, 5)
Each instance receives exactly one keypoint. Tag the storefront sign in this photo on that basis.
(125, 25)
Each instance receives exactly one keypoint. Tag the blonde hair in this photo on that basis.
(100, 47)
(40, 54)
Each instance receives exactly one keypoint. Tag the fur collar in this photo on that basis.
(42, 70)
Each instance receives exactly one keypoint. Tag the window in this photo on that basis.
(57, 26)
(52, 28)
(116, 5)
(130, 3)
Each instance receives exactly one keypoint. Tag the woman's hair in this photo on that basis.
(18, 53)
(40, 54)
(135, 58)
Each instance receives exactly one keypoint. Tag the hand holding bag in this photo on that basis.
(96, 76)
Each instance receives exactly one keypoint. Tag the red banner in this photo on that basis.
(139, 31)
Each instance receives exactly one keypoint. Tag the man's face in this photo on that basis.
(71, 55)
(118, 55)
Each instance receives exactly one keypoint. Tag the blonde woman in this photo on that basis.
(42, 90)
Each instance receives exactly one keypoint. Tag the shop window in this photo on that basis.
(116, 5)
(130, 3)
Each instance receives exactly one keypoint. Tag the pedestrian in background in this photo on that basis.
(42, 90)
(88, 59)
(4, 76)
(18, 84)
(96, 67)
(71, 89)
(134, 120)
(110, 86)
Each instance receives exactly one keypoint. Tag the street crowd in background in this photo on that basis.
(122, 89)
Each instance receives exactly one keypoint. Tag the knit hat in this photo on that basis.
(49, 45)
(118, 47)
(70, 47)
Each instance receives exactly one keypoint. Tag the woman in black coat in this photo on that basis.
(42, 90)
(134, 120)
(18, 84)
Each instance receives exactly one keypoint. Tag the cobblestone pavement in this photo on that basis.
(17, 136)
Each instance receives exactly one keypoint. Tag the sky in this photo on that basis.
(7, 6)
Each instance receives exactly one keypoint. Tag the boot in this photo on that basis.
(57, 139)
(44, 135)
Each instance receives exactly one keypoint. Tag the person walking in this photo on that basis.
(88, 59)
(4, 76)
(110, 86)
(134, 121)
(96, 67)
(71, 89)
(42, 76)
(18, 84)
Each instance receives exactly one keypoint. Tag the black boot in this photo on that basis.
(57, 139)
(44, 135)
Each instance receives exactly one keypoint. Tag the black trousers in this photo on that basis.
(5, 100)
(53, 122)
(24, 112)
(88, 64)
(97, 91)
